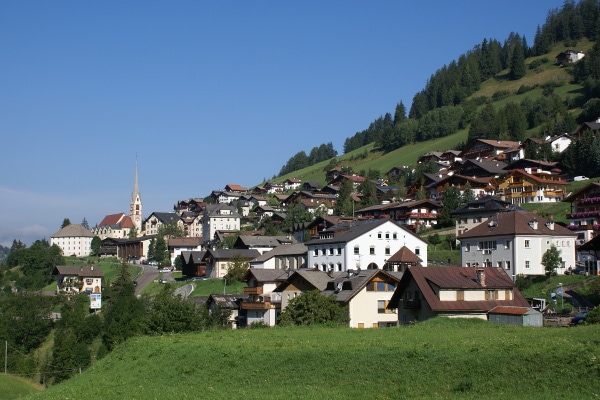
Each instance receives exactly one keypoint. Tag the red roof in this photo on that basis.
(111, 219)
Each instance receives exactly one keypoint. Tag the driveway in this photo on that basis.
(149, 274)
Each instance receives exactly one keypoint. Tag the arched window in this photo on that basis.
(372, 266)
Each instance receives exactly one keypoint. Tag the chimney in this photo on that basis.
(481, 276)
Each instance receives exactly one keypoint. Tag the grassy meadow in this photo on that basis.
(440, 358)
(13, 387)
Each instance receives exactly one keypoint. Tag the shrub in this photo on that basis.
(500, 94)
(593, 317)
(522, 282)
(525, 89)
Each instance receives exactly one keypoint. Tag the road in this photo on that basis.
(149, 274)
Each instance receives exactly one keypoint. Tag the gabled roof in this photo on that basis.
(511, 310)
(111, 219)
(194, 256)
(573, 196)
(226, 254)
(515, 223)
(344, 232)
(404, 255)
(164, 217)
(263, 241)
(288, 249)
(224, 301)
(263, 275)
(186, 242)
(313, 277)
(74, 270)
(540, 178)
(73, 230)
(345, 287)
(487, 203)
(432, 279)
(235, 188)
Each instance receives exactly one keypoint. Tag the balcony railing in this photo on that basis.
(589, 200)
(253, 290)
(411, 304)
(554, 193)
(256, 305)
(583, 214)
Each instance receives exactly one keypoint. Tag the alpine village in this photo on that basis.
(453, 249)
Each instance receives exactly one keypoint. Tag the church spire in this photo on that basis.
(135, 207)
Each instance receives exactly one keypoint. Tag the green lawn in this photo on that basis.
(438, 359)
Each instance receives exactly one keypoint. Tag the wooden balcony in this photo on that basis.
(554, 193)
(256, 305)
(411, 304)
(253, 290)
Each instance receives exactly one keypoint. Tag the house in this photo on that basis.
(114, 226)
(588, 255)
(317, 206)
(229, 303)
(513, 315)
(402, 260)
(584, 218)
(219, 217)
(288, 256)
(72, 279)
(516, 242)
(366, 293)
(194, 263)
(492, 149)
(480, 186)
(569, 57)
(262, 243)
(177, 245)
(225, 197)
(332, 174)
(539, 166)
(454, 292)
(274, 187)
(528, 186)
(73, 240)
(194, 205)
(291, 184)
(235, 188)
(414, 214)
(396, 172)
(361, 244)
(301, 281)
(477, 211)
(312, 186)
(262, 305)
(156, 220)
(355, 179)
(132, 250)
(479, 168)
(302, 230)
(218, 260)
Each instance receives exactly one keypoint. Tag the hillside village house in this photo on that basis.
(194, 263)
(584, 218)
(483, 186)
(503, 150)
(477, 211)
(527, 186)
(361, 244)
(192, 223)
(262, 243)
(413, 214)
(569, 56)
(289, 256)
(218, 260)
(156, 220)
(72, 279)
(132, 250)
(73, 240)
(114, 226)
(453, 292)
(291, 184)
(262, 305)
(178, 245)
(516, 242)
(219, 217)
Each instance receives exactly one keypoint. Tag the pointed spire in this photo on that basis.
(136, 188)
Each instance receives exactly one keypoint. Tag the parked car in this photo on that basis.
(155, 263)
(162, 281)
(579, 318)
(579, 270)
(580, 178)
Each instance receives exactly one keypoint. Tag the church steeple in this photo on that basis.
(135, 207)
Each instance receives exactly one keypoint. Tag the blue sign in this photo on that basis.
(559, 291)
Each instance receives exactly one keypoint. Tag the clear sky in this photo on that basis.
(205, 93)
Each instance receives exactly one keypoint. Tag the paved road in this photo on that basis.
(149, 274)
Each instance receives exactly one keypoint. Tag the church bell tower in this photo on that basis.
(135, 207)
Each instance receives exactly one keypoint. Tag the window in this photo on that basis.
(387, 235)
(356, 250)
(527, 243)
(417, 251)
(492, 295)
(499, 264)
(372, 250)
(387, 251)
(507, 265)
(331, 251)
(339, 251)
(381, 306)
(467, 247)
(460, 295)
(394, 236)
(378, 235)
(380, 286)
(507, 245)
(487, 245)
(527, 265)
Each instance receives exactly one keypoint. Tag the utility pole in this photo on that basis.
(5, 357)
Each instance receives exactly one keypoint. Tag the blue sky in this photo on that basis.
(205, 93)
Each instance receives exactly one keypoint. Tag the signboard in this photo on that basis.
(95, 301)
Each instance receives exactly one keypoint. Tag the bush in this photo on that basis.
(522, 282)
(500, 94)
(525, 89)
(593, 317)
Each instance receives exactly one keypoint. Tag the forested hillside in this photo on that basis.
(502, 90)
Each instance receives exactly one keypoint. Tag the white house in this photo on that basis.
(516, 242)
(177, 245)
(361, 244)
(262, 305)
(219, 217)
(288, 256)
(73, 240)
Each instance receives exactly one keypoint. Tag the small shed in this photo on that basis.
(512, 315)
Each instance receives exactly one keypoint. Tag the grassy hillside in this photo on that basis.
(436, 359)
(548, 72)
(12, 387)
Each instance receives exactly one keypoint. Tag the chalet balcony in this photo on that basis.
(416, 215)
(257, 305)
(583, 214)
(253, 290)
(411, 304)
(554, 193)
(584, 227)
(589, 200)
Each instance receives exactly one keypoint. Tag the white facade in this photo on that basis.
(369, 308)
(517, 254)
(73, 240)
(370, 250)
(219, 218)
